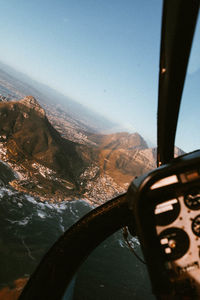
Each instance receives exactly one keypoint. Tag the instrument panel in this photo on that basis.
(178, 229)
(166, 207)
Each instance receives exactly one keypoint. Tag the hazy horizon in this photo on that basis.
(103, 55)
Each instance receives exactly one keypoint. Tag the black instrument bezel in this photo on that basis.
(142, 202)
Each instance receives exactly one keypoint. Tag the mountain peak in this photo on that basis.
(32, 103)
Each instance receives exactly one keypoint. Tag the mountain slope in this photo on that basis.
(31, 140)
(119, 156)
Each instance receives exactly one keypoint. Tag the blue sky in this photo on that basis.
(102, 53)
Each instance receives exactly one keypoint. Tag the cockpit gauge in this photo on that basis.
(167, 212)
(196, 226)
(174, 242)
(192, 199)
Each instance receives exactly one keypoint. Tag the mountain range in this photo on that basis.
(50, 165)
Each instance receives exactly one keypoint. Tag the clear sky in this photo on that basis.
(102, 53)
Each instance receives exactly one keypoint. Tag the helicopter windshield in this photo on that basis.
(187, 136)
(78, 107)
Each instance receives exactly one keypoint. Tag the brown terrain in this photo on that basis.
(99, 167)
(116, 155)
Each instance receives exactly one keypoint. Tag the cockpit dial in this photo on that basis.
(192, 199)
(174, 242)
(166, 212)
(196, 226)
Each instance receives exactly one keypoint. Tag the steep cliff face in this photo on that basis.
(122, 156)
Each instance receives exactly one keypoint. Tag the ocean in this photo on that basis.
(29, 228)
